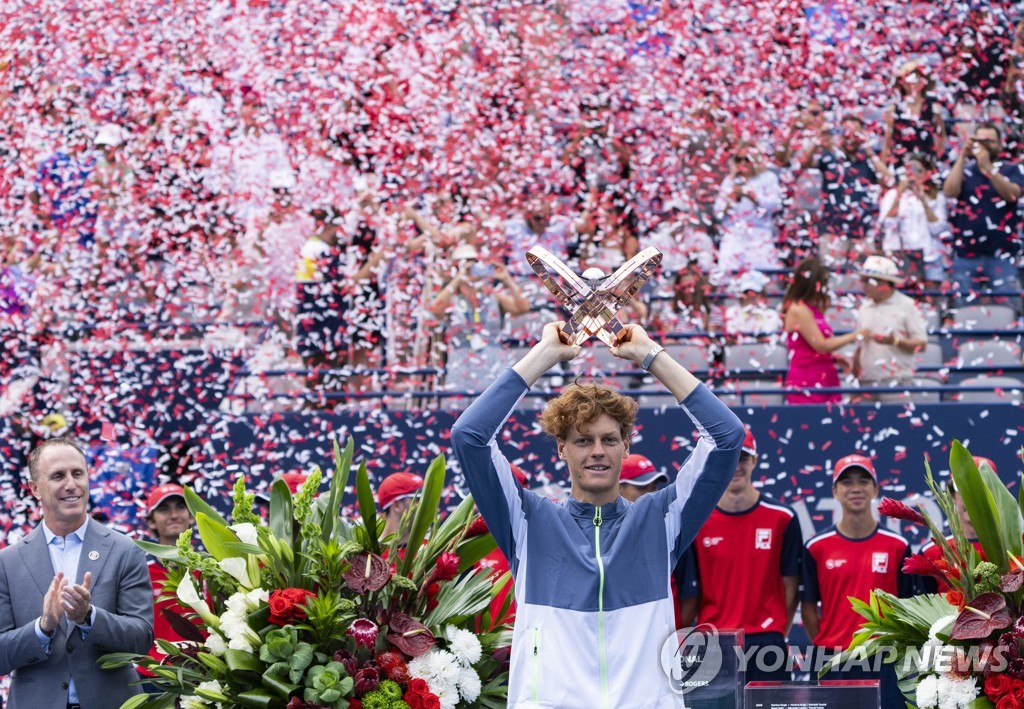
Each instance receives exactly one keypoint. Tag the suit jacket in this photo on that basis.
(122, 601)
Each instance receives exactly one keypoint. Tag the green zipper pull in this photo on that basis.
(597, 516)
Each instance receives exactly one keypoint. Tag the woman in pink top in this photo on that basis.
(809, 337)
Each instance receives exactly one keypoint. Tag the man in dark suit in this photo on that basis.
(71, 591)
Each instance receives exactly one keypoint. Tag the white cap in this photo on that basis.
(109, 134)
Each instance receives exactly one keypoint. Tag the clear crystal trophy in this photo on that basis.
(593, 298)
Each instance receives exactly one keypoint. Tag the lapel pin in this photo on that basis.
(94, 555)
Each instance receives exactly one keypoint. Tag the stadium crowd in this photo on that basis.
(360, 184)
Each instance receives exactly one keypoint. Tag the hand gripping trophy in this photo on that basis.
(593, 299)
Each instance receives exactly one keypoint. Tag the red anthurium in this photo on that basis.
(979, 618)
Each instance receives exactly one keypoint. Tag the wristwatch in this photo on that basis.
(649, 359)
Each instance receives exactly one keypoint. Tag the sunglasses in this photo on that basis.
(741, 158)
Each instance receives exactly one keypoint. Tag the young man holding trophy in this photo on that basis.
(592, 573)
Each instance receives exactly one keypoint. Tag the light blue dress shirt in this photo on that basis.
(64, 555)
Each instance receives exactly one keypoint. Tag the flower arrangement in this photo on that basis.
(959, 649)
(311, 611)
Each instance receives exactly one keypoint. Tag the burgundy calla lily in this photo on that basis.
(410, 636)
(368, 573)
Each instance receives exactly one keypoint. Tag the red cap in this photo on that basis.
(638, 470)
(160, 493)
(749, 444)
(978, 460)
(520, 475)
(293, 480)
(397, 486)
(854, 461)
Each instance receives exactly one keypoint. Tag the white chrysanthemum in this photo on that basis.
(446, 693)
(940, 625)
(956, 693)
(464, 645)
(216, 644)
(420, 666)
(469, 684)
(927, 695)
(443, 667)
(930, 656)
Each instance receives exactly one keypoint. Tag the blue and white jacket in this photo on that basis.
(592, 586)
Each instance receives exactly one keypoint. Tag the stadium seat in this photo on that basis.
(930, 356)
(842, 283)
(693, 357)
(926, 397)
(988, 353)
(983, 317)
(1005, 389)
(755, 357)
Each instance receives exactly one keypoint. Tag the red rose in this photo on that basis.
(1017, 689)
(1009, 702)
(418, 686)
(431, 702)
(415, 701)
(281, 608)
(299, 597)
(996, 686)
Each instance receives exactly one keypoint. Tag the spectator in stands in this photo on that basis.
(690, 308)
(319, 326)
(1012, 92)
(914, 222)
(853, 558)
(536, 226)
(639, 477)
(984, 217)
(802, 187)
(886, 357)
(913, 124)
(479, 294)
(809, 338)
(743, 569)
(167, 516)
(747, 203)
(850, 174)
(366, 253)
(394, 496)
(751, 318)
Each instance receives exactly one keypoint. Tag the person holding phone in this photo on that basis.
(473, 304)
(985, 190)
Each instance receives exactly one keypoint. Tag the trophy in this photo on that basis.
(593, 299)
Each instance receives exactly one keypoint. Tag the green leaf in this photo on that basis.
(474, 549)
(980, 504)
(279, 687)
(426, 512)
(1009, 516)
(281, 514)
(213, 662)
(243, 667)
(117, 660)
(259, 699)
(981, 702)
(216, 536)
(198, 505)
(243, 549)
(135, 702)
(160, 551)
(367, 508)
(342, 468)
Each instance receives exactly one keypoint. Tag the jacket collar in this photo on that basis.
(586, 510)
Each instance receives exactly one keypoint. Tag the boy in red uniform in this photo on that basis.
(851, 559)
(743, 570)
(167, 516)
